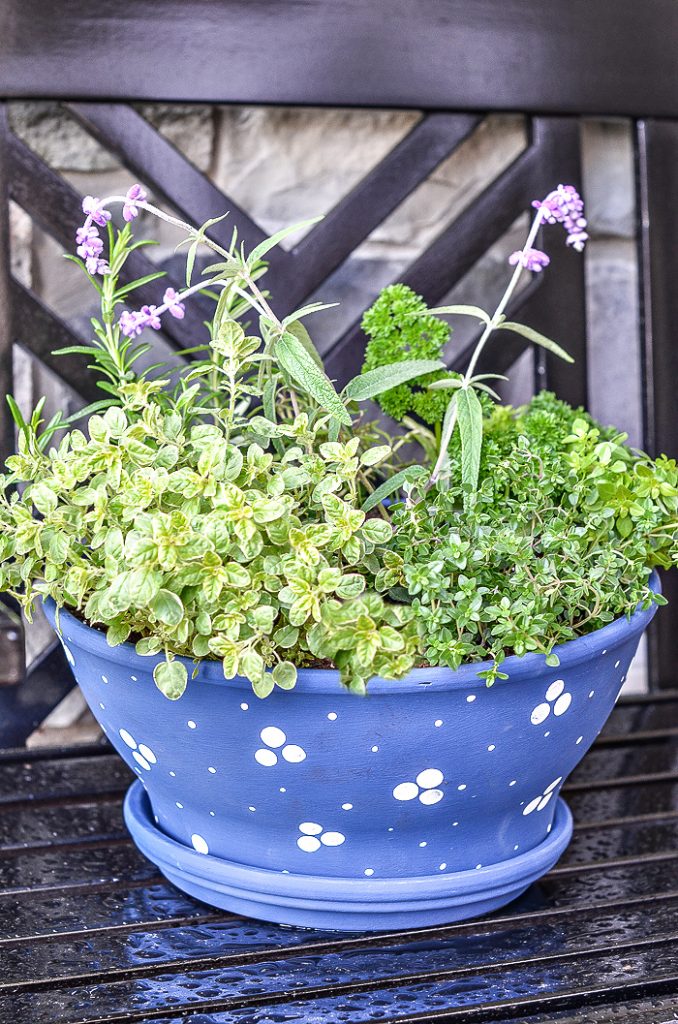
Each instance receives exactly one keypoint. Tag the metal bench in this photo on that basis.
(89, 932)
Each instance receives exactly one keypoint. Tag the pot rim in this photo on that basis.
(323, 680)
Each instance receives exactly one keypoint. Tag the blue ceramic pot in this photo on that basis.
(432, 799)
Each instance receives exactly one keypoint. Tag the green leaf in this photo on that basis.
(313, 307)
(376, 531)
(270, 243)
(393, 484)
(536, 338)
(301, 334)
(383, 378)
(263, 686)
(475, 311)
(168, 607)
(453, 383)
(171, 678)
(447, 430)
(303, 369)
(284, 675)
(374, 455)
(470, 415)
(252, 666)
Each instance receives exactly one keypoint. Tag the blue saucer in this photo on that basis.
(346, 904)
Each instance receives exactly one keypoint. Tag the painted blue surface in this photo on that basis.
(431, 799)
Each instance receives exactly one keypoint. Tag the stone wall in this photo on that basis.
(284, 165)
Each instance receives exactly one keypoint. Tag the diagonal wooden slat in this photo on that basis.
(172, 176)
(367, 205)
(56, 206)
(454, 252)
(40, 331)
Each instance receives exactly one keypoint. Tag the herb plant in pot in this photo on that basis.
(340, 713)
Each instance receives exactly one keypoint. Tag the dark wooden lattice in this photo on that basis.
(453, 61)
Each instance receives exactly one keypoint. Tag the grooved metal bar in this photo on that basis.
(656, 147)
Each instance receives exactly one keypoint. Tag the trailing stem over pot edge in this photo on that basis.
(232, 507)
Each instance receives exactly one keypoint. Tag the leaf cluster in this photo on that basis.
(566, 524)
(399, 327)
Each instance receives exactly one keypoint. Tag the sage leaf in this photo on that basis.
(462, 310)
(303, 369)
(270, 243)
(470, 416)
(301, 334)
(536, 338)
(383, 378)
(393, 484)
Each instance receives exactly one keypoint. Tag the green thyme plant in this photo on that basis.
(566, 524)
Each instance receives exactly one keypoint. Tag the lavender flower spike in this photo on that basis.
(135, 194)
(530, 259)
(565, 206)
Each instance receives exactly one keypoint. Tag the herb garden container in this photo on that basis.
(433, 799)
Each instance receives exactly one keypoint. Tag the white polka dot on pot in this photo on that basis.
(199, 844)
(275, 738)
(313, 837)
(425, 787)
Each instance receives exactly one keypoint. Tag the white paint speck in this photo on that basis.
(513, 782)
(441, 867)
(492, 746)
(462, 787)
(369, 871)
(180, 806)
(375, 749)
(347, 807)
(471, 697)
(244, 707)
(191, 724)
(104, 679)
(251, 808)
(332, 716)
(438, 722)
(579, 739)
(423, 844)
(212, 770)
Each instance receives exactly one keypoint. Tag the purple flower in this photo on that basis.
(565, 206)
(90, 248)
(133, 323)
(135, 194)
(130, 324)
(95, 212)
(530, 259)
(171, 300)
(152, 318)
